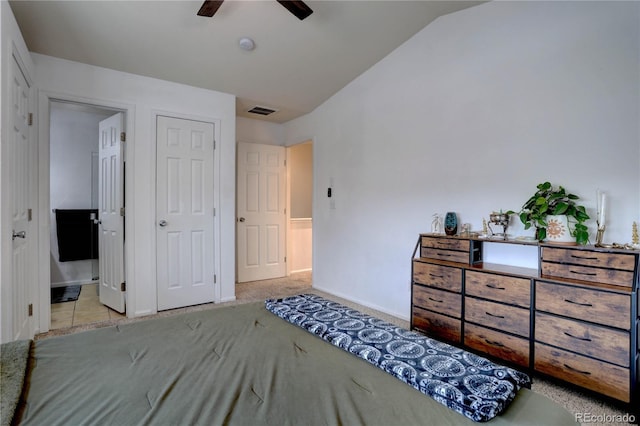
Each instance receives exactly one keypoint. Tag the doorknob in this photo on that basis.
(241, 219)
(21, 234)
(162, 223)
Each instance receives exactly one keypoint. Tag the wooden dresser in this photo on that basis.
(574, 317)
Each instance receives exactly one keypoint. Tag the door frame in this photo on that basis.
(44, 203)
(217, 228)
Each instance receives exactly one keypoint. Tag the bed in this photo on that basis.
(240, 365)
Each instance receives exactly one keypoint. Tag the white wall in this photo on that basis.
(142, 98)
(470, 115)
(301, 174)
(300, 244)
(73, 139)
(263, 132)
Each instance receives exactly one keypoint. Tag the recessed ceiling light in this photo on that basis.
(246, 44)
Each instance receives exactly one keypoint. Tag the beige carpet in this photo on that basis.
(587, 408)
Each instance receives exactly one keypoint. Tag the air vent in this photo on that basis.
(262, 110)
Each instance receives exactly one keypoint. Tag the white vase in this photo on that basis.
(558, 230)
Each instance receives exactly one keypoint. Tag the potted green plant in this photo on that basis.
(549, 200)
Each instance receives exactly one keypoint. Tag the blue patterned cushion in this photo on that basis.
(467, 383)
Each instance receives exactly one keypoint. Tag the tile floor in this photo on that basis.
(87, 309)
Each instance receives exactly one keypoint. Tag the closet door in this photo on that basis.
(184, 212)
(23, 236)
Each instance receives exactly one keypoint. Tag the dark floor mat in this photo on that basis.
(65, 294)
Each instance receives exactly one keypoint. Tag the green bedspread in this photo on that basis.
(236, 365)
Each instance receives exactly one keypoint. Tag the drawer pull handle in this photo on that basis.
(493, 315)
(578, 303)
(591, 274)
(443, 254)
(498, 344)
(436, 276)
(495, 287)
(435, 300)
(584, 339)
(584, 257)
(586, 373)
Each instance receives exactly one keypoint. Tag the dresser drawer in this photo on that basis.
(437, 300)
(593, 266)
(621, 261)
(585, 304)
(589, 373)
(500, 345)
(444, 277)
(587, 339)
(437, 325)
(448, 255)
(587, 273)
(511, 290)
(446, 243)
(495, 315)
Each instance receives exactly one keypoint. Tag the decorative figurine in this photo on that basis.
(435, 224)
(635, 240)
(485, 230)
(601, 221)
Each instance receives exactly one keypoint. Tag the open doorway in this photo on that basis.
(300, 196)
(274, 211)
(74, 187)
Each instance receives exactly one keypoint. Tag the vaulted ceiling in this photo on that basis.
(295, 66)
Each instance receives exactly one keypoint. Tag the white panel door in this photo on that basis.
(110, 203)
(184, 212)
(261, 212)
(21, 238)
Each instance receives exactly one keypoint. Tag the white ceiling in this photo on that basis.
(295, 66)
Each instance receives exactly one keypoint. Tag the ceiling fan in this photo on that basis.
(298, 8)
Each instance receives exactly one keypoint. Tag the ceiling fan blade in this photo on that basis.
(298, 8)
(209, 8)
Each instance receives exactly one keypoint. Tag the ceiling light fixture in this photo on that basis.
(246, 44)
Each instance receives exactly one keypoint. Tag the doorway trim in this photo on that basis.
(217, 228)
(44, 203)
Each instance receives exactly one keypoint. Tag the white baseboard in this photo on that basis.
(402, 316)
(300, 270)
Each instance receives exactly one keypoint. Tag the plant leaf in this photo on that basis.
(544, 186)
(561, 208)
(542, 233)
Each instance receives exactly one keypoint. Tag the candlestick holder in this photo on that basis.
(600, 235)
